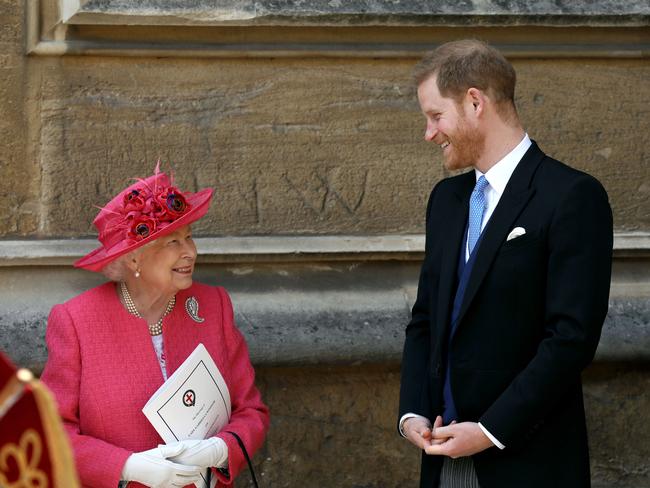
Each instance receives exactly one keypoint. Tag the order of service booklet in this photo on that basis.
(194, 402)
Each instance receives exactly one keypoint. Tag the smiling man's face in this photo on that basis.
(449, 126)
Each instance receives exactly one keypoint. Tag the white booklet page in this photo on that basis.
(194, 402)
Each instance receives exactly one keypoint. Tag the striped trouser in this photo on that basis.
(458, 473)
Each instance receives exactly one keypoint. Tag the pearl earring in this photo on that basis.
(137, 273)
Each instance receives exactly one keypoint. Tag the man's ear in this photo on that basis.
(475, 101)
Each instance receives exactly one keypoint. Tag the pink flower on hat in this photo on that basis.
(144, 212)
(141, 228)
(172, 202)
(134, 200)
(148, 209)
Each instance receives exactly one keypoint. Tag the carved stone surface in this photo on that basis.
(617, 398)
(360, 11)
(334, 427)
(294, 314)
(315, 146)
(18, 175)
(580, 114)
(326, 341)
(305, 146)
(346, 416)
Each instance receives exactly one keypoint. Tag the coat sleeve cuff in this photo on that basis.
(494, 440)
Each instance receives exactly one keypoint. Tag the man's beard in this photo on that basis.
(466, 147)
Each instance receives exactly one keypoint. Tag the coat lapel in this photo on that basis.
(515, 197)
(457, 218)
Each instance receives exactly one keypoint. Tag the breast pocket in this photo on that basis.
(519, 262)
(528, 240)
(518, 276)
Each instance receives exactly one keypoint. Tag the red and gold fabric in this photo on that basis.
(34, 449)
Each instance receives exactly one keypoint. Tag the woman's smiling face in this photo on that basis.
(168, 263)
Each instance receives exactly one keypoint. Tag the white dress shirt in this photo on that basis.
(497, 177)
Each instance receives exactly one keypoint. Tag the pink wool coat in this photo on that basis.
(102, 369)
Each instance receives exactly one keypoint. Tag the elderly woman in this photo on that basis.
(111, 347)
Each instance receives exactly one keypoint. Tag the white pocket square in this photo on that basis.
(516, 232)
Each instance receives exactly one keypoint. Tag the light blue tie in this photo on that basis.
(477, 206)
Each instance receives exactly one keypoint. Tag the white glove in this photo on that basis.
(152, 469)
(212, 452)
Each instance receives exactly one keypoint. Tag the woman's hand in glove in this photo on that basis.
(206, 453)
(151, 468)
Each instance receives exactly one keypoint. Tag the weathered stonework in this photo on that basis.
(336, 427)
(306, 148)
(363, 11)
(18, 175)
(615, 394)
(302, 116)
(309, 147)
(340, 409)
(580, 114)
(295, 314)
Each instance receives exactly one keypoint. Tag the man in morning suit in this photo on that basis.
(512, 295)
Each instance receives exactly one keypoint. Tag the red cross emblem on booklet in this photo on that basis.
(189, 398)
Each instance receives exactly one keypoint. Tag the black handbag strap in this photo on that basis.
(248, 459)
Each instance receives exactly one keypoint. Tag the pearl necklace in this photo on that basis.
(154, 329)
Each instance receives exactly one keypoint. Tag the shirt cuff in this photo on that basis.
(407, 416)
(494, 440)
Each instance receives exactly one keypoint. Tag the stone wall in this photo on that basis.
(340, 430)
(302, 146)
(304, 120)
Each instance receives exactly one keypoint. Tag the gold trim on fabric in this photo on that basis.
(64, 473)
(10, 394)
(27, 456)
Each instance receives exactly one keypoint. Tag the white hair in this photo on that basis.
(117, 269)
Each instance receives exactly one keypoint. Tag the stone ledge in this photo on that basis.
(325, 29)
(300, 300)
(329, 328)
(63, 252)
(352, 328)
(325, 12)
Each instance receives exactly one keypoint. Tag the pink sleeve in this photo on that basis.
(250, 417)
(99, 463)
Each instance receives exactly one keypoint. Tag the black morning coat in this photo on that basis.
(529, 323)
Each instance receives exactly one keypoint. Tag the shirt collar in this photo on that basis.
(499, 174)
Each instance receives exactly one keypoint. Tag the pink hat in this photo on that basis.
(143, 212)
